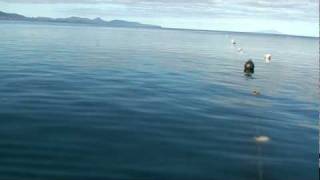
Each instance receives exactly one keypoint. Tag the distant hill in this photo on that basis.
(76, 20)
(270, 32)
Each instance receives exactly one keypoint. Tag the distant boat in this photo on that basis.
(233, 41)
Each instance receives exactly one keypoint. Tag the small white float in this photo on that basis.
(262, 139)
(267, 58)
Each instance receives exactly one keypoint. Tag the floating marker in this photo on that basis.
(256, 93)
(267, 58)
(262, 139)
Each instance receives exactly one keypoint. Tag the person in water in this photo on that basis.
(249, 67)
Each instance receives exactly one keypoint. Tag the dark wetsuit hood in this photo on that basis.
(249, 67)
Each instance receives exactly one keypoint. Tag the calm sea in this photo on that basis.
(81, 102)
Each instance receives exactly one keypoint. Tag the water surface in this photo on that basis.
(83, 102)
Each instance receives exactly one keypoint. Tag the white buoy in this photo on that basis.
(267, 58)
(262, 139)
(233, 41)
(240, 50)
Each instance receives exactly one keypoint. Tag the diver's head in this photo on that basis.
(249, 67)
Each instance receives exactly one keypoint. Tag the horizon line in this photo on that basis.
(170, 28)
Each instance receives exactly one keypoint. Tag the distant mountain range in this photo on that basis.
(269, 32)
(100, 22)
(76, 20)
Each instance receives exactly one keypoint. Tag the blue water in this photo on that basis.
(81, 102)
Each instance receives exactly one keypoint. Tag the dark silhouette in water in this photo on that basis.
(256, 93)
(249, 67)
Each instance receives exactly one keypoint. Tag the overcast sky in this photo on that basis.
(297, 17)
